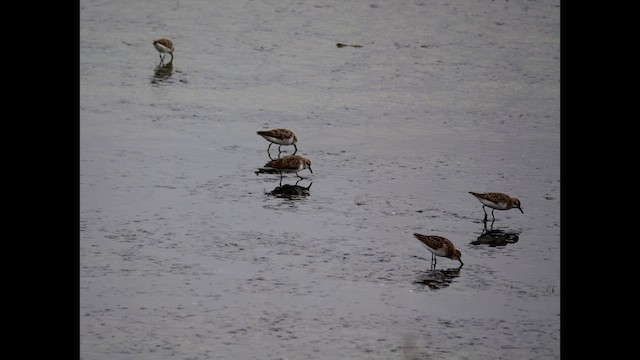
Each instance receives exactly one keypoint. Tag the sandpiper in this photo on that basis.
(290, 164)
(164, 46)
(439, 246)
(496, 201)
(280, 137)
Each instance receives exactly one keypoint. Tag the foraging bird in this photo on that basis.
(439, 246)
(290, 164)
(496, 201)
(164, 46)
(280, 137)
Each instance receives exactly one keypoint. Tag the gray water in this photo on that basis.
(187, 253)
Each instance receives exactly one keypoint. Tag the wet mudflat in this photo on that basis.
(187, 253)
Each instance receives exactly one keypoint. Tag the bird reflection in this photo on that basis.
(291, 192)
(271, 157)
(162, 72)
(496, 237)
(263, 170)
(437, 279)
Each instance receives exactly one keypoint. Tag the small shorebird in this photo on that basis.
(439, 246)
(496, 201)
(280, 137)
(164, 46)
(290, 164)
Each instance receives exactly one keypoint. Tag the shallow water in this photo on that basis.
(186, 252)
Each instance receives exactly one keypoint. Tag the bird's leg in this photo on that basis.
(268, 152)
(485, 214)
(494, 217)
(296, 149)
(279, 151)
(170, 62)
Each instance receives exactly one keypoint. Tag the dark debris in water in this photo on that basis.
(341, 45)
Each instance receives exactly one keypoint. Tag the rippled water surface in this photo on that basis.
(187, 253)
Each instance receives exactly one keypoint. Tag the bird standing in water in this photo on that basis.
(280, 137)
(290, 164)
(496, 201)
(439, 246)
(164, 46)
